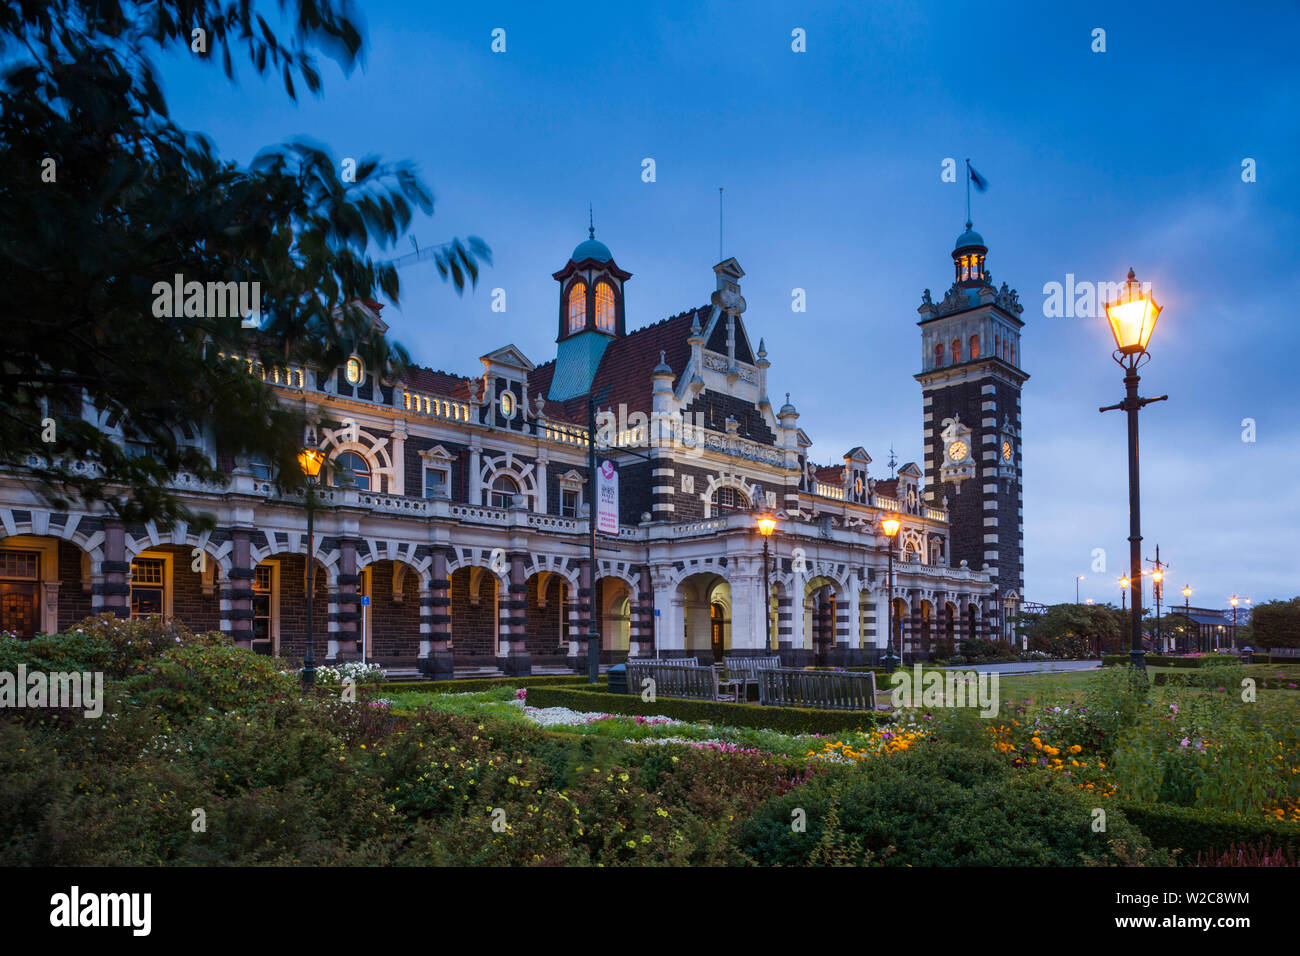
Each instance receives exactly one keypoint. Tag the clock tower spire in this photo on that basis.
(970, 385)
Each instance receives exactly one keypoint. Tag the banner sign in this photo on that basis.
(607, 498)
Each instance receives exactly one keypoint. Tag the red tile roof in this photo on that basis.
(437, 383)
(626, 367)
(829, 474)
(888, 488)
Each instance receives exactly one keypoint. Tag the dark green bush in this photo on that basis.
(188, 682)
(1158, 660)
(1207, 831)
(118, 647)
(479, 684)
(938, 805)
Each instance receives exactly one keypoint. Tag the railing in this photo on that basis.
(824, 490)
(936, 514)
(885, 503)
(289, 376)
(435, 406)
(568, 434)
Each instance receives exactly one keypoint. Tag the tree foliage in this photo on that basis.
(103, 197)
(1074, 630)
(1276, 624)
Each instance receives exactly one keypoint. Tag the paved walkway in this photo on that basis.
(1033, 667)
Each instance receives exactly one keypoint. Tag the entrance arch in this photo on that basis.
(698, 594)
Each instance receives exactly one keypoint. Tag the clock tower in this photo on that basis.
(970, 384)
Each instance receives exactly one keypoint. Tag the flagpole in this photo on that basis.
(968, 190)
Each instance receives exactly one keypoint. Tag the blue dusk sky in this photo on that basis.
(831, 160)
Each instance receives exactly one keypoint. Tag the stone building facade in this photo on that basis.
(457, 505)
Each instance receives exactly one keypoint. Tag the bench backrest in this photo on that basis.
(674, 680)
(686, 661)
(748, 667)
(828, 690)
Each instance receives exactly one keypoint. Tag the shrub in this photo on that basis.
(188, 682)
(117, 646)
(937, 805)
(1207, 831)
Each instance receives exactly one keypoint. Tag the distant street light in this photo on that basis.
(890, 526)
(766, 525)
(310, 460)
(1076, 588)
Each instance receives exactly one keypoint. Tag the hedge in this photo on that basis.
(475, 685)
(1206, 831)
(1261, 682)
(797, 720)
(1158, 660)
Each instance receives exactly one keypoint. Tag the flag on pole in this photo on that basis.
(976, 179)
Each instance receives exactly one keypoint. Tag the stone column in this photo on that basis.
(345, 618)
(114, 591)
(475, 474)
(848, 629)
(398, 446)
(540, 505)
(939, 624)
(794, 652)
(237, 590)
(516, 662)
(643, 642)
(584, 607)
(913, 631)
(960, 630)
(435, 608)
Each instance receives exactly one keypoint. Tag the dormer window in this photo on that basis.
(604, 307)
(578, 307)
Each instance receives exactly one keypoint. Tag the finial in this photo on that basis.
(1131, 275)
(762, 347)
(968, 225)
(662, 361)
(591, 223)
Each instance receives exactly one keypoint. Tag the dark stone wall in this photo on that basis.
(473, 626)
(716, 406)
(195, 610)
(74, 603)
(394, 627)
(544, 631)
(293, 608)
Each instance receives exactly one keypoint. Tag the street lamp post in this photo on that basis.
(766, 525)
(1132, 320)
(1233, 601)
(1157, 591)
(890, 526)
(1076, 588)
(310, 460)
(1123, 593)
(1187, 619)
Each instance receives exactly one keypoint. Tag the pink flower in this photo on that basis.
(1186, 742)
(521, 693)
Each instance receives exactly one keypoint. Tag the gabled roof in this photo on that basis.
(911, 470)
(626, 368)
(509, 356)
(858, 454)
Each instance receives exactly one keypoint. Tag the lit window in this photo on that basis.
(507, 403)
(938, 354)
(503, 491)
(578, 307)
(974, 346)
(729, 499)
(360, 469)
(604, 307)
(354, 371)
(147, 577)
(569, 504)
(956, 350)
(263, 639)
(435, 483)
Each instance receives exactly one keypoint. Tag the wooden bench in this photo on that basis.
(747, 668)
(676, 680)
(827, 690)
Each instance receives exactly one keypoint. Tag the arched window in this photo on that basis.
(729, 499)
(360, 469)
(503, 491)
(578, 307)
(974, 346)
(938, 354)
(604, 307)
(956, 351)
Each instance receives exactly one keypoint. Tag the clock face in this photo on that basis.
(957, 451)
(1006, 451)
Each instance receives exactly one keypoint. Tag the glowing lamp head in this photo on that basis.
(1234, 602)
(1187, 592)
(1124, 583)
(766, 525)
(1158, 576)
(1133, 317)
(310, 461)
(890, 526)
